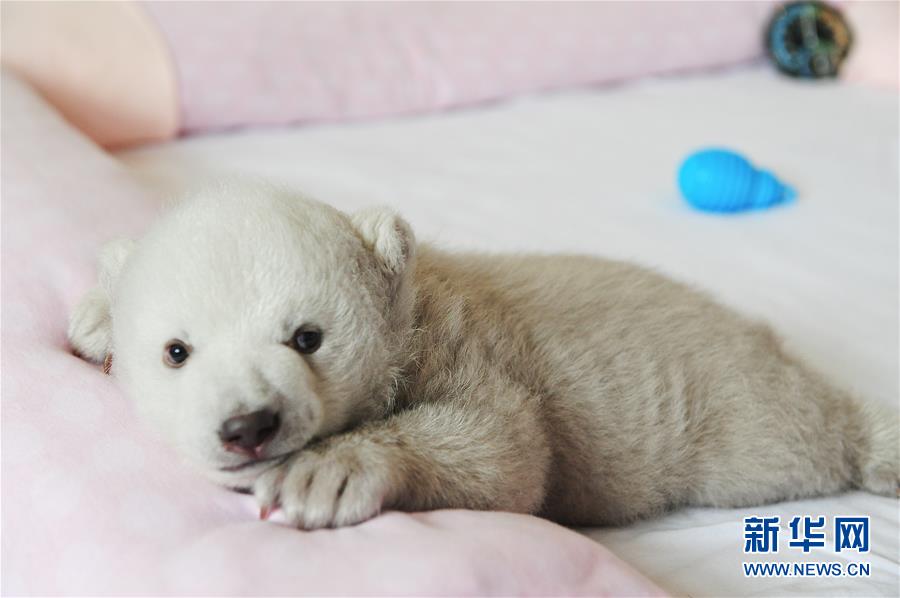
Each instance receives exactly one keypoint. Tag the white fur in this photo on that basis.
(585, 390)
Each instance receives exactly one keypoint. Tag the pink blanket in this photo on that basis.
(92, 504)
(241, 64)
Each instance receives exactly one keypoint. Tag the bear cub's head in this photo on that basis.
(247, 323)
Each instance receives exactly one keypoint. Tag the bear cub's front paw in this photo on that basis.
(328, 486)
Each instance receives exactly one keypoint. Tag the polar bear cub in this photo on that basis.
(336, 367)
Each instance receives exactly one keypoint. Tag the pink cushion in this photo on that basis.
(269, 63)
(875, 56)
(92, 504)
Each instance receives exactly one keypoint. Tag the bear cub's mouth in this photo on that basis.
(257, 462)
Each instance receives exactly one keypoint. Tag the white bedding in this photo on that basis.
(594, 172)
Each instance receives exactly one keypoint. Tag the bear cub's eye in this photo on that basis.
(307, 339)
(175, 354)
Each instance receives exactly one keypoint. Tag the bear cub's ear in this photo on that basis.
(90, 326)
(388, 236)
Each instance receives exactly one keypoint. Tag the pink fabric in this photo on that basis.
(94, 505)
(251, 63)
(875, 56)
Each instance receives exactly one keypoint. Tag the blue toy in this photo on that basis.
(719, 180)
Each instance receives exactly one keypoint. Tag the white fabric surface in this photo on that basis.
(594, 172)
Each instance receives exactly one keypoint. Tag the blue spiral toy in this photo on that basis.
(720, 180)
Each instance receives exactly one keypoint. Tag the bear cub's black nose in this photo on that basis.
(248, 433)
